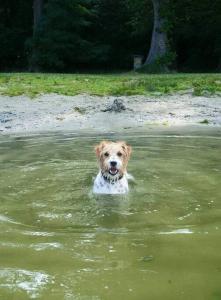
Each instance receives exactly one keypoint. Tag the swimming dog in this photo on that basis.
(113, 158)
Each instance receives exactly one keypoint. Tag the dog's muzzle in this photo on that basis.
(113, 170)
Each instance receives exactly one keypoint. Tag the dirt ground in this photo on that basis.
(92, 113)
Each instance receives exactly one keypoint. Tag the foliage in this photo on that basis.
(120, 30)
(196, 34)
(15, 28)
(61, 39)
(105, 34)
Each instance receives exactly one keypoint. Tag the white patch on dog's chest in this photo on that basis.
(102, 186)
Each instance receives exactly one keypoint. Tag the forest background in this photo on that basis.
(104, 35)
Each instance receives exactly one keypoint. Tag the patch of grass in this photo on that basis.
(15, 84)
(205, 121)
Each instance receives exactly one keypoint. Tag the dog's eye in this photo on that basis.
(119, 154)
(106, 154)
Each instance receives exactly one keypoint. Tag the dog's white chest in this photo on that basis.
(102, 186)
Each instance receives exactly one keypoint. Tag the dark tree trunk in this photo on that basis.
(158, 46)
(37, 12)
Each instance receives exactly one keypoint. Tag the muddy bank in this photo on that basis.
(83, 112)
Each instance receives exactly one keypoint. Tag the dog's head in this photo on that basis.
(113, 158)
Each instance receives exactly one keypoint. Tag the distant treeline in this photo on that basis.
(75, 35)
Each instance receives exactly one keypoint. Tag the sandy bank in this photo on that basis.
(83, 112)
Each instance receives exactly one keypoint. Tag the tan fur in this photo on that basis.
(113, 148)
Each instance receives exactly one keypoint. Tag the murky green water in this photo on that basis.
(59, 241)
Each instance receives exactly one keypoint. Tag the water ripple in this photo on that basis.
(32, 282)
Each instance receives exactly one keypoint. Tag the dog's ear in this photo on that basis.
(129, 150)
(98, 148)
(126, 148)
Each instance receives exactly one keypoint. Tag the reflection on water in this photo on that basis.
(17, 280)
(161, 241)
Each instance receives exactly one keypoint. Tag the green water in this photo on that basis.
(59, 241)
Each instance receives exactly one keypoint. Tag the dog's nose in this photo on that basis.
(113, 163)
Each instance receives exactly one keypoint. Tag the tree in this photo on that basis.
(120, 28)
(111, 45)
(159, 41)
(60, 41)
(37, 12)
(196, 35)
(71, 35)
(15, 27)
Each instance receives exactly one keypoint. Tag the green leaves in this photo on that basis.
(105, 34)
(62, 39)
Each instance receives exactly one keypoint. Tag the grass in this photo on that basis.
(205, 121)
(15, 84)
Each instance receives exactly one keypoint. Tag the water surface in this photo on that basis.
(161, 241)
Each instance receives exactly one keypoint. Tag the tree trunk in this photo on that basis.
(37, 12)
(158, 46)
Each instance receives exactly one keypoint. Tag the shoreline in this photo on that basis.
(57, 113)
